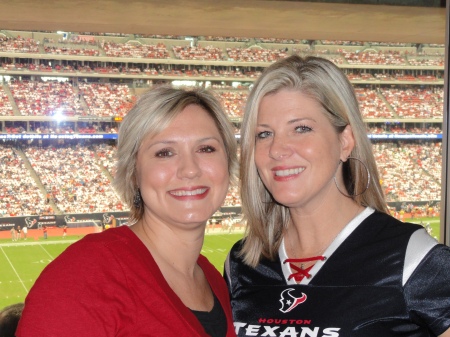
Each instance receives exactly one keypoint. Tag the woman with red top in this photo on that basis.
(176, 155)
(321, 256)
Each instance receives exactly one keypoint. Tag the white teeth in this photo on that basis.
(284, 173)
(188, 193)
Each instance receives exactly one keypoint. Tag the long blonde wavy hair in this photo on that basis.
(324, 82)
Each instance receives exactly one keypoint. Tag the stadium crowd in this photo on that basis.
(105, 100)
(135, 49)
(5, 104)
(205, 71)
(74, 178)
(82, 182)
(207, 53)
(19, 192)
(49, 98)
(408, 171)
(78, 178)
(38, 98)
(18, 45)
(371, 103)
(416, 102)
(262, 50)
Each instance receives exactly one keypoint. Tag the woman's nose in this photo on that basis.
(189, 167)
(279, 148)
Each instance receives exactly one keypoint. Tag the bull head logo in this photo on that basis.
(30, 222)
(289, 302)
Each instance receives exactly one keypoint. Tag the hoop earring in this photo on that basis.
(137, 201)
(368, 179)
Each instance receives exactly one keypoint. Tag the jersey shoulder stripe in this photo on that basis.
(420, 243)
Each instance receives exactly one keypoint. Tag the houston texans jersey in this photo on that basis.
(379, 278)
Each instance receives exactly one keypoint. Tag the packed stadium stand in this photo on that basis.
(62, 98)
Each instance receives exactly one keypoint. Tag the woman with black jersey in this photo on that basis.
(321, 256)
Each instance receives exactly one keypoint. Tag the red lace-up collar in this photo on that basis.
(301, 272)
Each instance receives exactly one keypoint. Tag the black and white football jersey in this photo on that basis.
(379, 278)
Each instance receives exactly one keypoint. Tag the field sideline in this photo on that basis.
(21, 262)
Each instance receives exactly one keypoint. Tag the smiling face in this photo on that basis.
(182, 172)
(297, 150)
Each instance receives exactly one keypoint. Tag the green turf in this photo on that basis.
(216, 248)
(22, 262)
(435, 224)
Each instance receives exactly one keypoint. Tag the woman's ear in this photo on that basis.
(347, 140)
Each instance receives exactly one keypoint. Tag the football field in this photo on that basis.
(21, 262)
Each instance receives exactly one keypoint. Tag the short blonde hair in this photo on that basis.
(324, 82)
(151, 114)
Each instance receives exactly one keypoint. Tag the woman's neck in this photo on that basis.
(176, 250)
(171, 246)
(310, 234)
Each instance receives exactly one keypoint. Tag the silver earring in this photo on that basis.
(137, 201)
(368, 179)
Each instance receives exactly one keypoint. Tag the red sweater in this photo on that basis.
(108, 284)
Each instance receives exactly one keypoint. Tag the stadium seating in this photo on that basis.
(386, 82)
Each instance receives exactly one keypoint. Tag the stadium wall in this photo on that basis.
(76, 220)
(60, 220)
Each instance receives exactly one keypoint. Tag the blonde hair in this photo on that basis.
(151, 114)
(324, 82)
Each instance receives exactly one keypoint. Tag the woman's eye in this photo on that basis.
(164, 153)
(207, 149)
(302, 129)
(263, 134)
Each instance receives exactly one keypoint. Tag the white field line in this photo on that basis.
(35, 243)
(208, 249)
(15, 271)
(45, 250)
